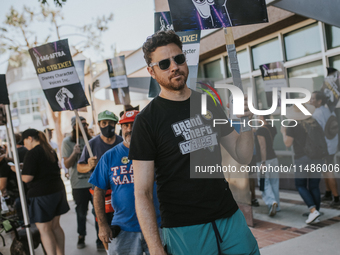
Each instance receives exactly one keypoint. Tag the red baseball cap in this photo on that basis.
(128, 117)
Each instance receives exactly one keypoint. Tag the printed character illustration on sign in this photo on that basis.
(226, 11)
(37, 58)
(329, 95)
(121, 95)
(63, 98)
(203, 8)
(110, 67)
(163, 27)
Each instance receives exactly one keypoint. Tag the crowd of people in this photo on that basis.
(139, 183)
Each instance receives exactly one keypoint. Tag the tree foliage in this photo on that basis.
(21, 23)
(17, 36)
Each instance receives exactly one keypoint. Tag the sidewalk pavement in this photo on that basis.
(69, 224)
(287, 232)
(324, 241)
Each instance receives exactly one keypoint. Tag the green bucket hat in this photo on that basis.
(107, 115)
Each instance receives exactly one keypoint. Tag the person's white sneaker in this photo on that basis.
(316, 220)
(272, 210)
(312, 217)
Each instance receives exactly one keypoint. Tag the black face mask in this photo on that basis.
(108, 131)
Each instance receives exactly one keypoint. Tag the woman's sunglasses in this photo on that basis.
(165, 63)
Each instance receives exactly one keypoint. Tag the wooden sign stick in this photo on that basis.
(77, 132)
(235, 69)
(84, 134)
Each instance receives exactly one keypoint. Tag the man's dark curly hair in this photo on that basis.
(319, 95)
(160, 38)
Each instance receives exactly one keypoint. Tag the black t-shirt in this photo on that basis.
(22, 153)
(268, 132)
(176, 136)
(6, 172)
(46, 173)
(12, 184)
(300, 135)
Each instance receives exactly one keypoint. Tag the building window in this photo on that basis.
(335, 62)
(227, 65)
(213, 69)
(23, 103)
(309, 76)
(25, 111)
(35, 109)
(246, 84)
(36, 92)
(27, 101)
(36, 117)
(260, 94)
(332, 36)
(266, 52)
(243, 62)
(199, 72)
(302, 42)
(23, 94)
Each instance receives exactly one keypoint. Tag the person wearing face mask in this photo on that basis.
(115, 171)
(107, 139)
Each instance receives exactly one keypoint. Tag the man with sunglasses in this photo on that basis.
(70, 152)
(170, 136)
(106, 140)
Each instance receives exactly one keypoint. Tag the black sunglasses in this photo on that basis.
(165, 63)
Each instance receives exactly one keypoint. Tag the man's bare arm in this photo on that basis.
(143, 172)
(91, 164)
(287, 140)
(239, 146)
(104, 233)
(3, 184)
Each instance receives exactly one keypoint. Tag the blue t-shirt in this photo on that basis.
(99, 147)
(115, 170)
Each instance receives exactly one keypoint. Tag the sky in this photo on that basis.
(133, 21)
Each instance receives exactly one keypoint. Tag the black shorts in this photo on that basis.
(45, 208)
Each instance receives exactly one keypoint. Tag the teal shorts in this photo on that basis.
(223, 236)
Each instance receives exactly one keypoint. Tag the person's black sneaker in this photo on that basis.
(81, 242)
(327, 196)
(335, 204)
(100, 247)
(255, 203)
(325, 199)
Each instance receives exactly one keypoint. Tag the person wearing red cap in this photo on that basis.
(114, 170)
